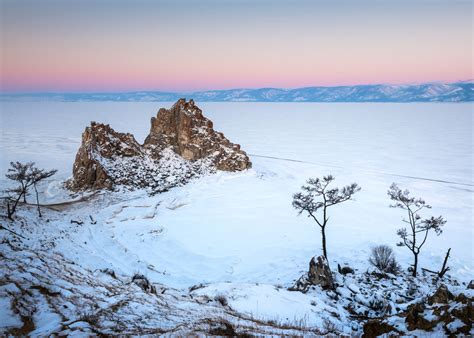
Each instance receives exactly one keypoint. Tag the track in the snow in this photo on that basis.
(377, 172)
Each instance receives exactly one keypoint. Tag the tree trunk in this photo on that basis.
(444, 269)
(9, 211)
(12, 210)
(323, 229)
(37, 201)
(323, 232)
(24, 196)
(415, 265)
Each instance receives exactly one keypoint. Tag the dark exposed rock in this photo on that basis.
(375, 328)
(441, 308)
(191, 135)
(143, 283)
(100, 141)
(471, 285)
(415, 319)
(320, 273)
(465, 314)
(182, 144)
(462, 298)
(344, 270)
(302, 284)
(441, 296)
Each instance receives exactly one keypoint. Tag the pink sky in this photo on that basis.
(89, 46)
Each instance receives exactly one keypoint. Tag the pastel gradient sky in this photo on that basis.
(92, 45)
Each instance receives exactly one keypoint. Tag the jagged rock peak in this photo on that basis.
(99, 142)
(108, 142)
(191, 135)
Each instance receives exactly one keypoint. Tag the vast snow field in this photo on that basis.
(241, 227)
(237, 233)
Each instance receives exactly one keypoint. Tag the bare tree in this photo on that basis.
(20, 173)
(27, 176)
(418, 226)
(13, 198)
(317, 196)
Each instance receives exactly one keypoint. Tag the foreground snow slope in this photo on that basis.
(70, 278)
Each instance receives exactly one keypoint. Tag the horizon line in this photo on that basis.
(228, 89)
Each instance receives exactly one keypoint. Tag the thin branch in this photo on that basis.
(424, 240)
(13, 232)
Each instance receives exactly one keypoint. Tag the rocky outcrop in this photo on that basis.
(441, 296)
(99, 144)
(319, 274)
(453, 313)
(191, 135)
(182, 144)
(375, 328)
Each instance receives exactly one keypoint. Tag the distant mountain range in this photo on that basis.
(428, 92)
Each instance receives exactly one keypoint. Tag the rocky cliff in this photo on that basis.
(182, 144)
(101, 144)
(191, 135)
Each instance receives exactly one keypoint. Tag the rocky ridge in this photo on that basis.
(379, 303)
(182, 144)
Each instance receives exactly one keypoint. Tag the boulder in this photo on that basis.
(441, 296)
(144, 283)
(320, 273)
(465, 314)
(344, 270)
(191, 135)
(415, 319)
(302, 284)
(375, 328)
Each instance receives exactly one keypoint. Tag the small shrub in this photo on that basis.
(329, 327)
(89, 317)
(222, 299)
(383, 258)
(222, 327)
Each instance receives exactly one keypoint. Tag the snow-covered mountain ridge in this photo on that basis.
(427, 92)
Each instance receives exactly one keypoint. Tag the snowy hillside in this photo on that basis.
(218, 255)
(429, 92)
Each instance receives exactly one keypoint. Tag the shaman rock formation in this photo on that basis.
(182, 144)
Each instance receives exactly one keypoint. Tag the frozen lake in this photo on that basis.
(426, 148)
(427, 140)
